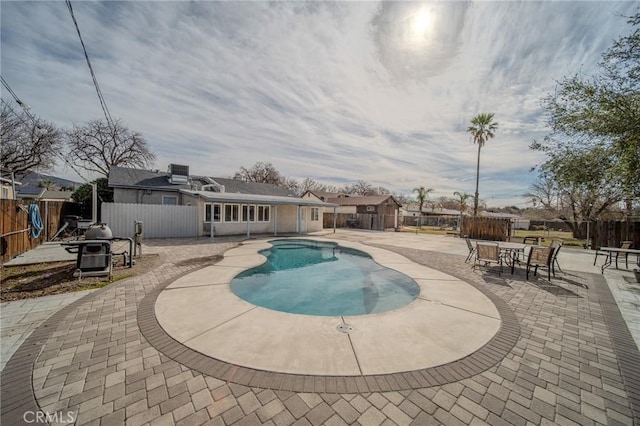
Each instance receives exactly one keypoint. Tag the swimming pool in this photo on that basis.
(323, 278)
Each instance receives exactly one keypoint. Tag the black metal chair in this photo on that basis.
(540, 257)
(532, 240)
(557, 245)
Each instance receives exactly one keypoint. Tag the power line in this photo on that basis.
(103, 104)
(35, 123)
(24, 106)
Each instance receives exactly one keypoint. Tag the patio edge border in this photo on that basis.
(477, 362)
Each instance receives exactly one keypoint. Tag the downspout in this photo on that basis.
(275, 220)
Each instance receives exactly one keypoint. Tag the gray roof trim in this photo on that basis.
(232, 197)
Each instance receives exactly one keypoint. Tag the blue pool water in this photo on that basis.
(321, 278)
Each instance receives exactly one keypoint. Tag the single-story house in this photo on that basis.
(371, 211)
(224, 206)
(8, 188)
(517, 222)
(411, 210)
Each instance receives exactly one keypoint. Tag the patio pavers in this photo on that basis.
(574, 362)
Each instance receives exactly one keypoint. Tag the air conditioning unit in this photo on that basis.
(178, 174)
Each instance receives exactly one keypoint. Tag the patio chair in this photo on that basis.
(557, 245)
(532, 240)
(540, 257)
(515, 239)
(472, 249)
(487, 253)
(623, 245)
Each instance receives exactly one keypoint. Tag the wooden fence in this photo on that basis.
(376, 222)
(612, 233)
(15, 229)
(485, 228)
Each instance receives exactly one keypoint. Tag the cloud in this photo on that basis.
(338, 91)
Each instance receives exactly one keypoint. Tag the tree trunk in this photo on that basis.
(475, 200)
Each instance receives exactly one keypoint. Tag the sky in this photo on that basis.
(334, 91)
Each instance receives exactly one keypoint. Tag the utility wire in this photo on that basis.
(103, 104)
(35, 123)
(24, 106)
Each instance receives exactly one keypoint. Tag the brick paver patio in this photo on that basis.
(564, 356)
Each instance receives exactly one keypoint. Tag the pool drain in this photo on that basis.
(344, 328)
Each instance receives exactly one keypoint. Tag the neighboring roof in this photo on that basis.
(234, 197)
(29, 192)
(443, 212)
(323, 195)
(500, 215)
(56, 195)
(123, 177)
(33, 179)
(360, 200)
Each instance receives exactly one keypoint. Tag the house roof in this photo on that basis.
(29, 192)
(324, 195)
(123, 177)
(234, 197)
(500, 215)
(441, 212)
(361, 200)
(56, 195)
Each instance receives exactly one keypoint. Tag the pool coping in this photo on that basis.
(482, 359)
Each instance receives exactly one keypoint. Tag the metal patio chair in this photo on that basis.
(540, 257)
(556, 245)
(472, 249)
(486, 254)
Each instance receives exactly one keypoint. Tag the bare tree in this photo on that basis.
(360, 188)
(96, 147)
(26, 143)
(260, 172)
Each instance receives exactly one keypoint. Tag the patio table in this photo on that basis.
(615, 251)
(512, 252)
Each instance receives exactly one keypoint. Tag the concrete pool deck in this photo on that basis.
(573, 358)
(448, 321)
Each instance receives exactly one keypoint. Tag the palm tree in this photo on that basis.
(482, 129)
(463, 198)
(423, 194)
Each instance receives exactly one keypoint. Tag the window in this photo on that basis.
(315, 214)
(263, 213)
(170, 200)
(248, 213)
(5, 192)
(371, 208)
(231, 213)
(212, 210)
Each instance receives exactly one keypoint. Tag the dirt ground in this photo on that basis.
(22, 282)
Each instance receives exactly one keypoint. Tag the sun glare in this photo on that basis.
(421, 22)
